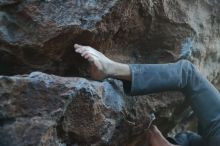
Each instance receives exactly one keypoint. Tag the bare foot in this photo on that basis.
(156, 138)
(100, 64)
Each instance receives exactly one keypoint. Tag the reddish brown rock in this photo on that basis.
(134, 31)
(39, 36)
(41, 109)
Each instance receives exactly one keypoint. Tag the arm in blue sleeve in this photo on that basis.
(182, 76)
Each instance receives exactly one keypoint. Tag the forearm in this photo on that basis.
(151, 78)
(182, 76)
(119, 71)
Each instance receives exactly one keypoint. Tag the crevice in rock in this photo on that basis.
(4, 121)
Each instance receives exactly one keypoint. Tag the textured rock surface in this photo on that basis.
(143, 31)
(38, 35)
(41, 109)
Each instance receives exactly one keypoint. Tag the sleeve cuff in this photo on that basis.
(129, 85)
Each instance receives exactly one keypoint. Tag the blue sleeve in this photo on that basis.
(182, 76)
(151, 78)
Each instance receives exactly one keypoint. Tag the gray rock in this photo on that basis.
(133, 31)
(47, 110)
(38, 35)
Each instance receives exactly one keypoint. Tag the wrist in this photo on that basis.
(118, 70)
(111, 70)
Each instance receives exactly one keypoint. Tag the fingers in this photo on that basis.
(80, 50)
(88, 56)
(90, 59)
(153, 130)
(148, 133)
(156, 130)
(86, 52)
(149, 136)
(76, 46)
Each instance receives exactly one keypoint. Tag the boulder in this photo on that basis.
(38, 35)
(47, 110)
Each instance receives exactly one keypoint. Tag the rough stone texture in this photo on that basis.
(38, 35)
(47, 110)
(143, 31)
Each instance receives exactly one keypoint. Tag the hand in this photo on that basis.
(155, 137)
(100, 64)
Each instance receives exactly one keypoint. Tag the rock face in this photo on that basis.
(47, 110)
(38, 35)
(142, 31)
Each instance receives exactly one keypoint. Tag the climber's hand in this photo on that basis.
(99, 62)
(155, 137)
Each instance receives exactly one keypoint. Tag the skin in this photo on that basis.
(103, 67)
(155, 137)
